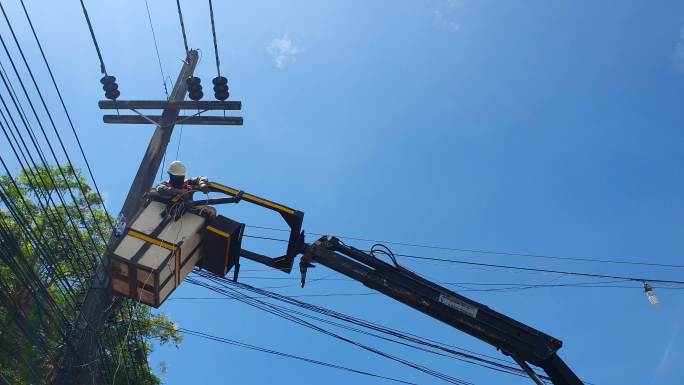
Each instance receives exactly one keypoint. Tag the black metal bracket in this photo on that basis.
(293, 218)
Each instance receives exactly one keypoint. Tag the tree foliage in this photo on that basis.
(53, 231)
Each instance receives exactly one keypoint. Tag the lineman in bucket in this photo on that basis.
(178, 191)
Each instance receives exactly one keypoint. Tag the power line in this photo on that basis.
(39, 245)
(461, 354)
(266, 238)
(49, 115)
(410, 340)
(286, 355)
(291, 296)
(213, 34)
(520, 268)
(513, 286)
(156, 48)
(25, 226)
(66, 112)
(480, 251)
(48, 204)
(575, 273)
(37, 240)
(265, 306)
(182, 25)
(92, 35)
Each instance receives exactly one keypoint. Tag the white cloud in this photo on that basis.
(282, 50)
(678, 53)
(445, 16)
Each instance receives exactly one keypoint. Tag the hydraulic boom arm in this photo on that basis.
(523, 343)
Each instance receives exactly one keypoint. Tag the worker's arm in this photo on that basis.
(200, 183)
(165, 191)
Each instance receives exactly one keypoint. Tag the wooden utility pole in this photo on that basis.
(162, 134)
(78, 361)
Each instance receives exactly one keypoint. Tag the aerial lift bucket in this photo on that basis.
(158, 250)
(162, 244)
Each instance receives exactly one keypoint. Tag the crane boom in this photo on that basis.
(524, 343)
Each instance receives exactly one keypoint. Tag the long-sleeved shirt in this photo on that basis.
(167, 191)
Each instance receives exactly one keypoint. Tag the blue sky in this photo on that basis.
(532, 126)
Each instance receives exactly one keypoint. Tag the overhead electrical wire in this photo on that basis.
(61, 171)
(416, 344)
(29, 280)
(265, 306)
(481, 251)
(23, 154)
(292, 296)
(15, 259)
(562, 272)
(18, 214)
(182, 25)
(520, 268)
(50, 118)
(289, 299)
(11, 254)
(156, 48)
(24, 226)
(41, 188)
(44, 205)
(52, 182)
(213, 34)
(28, 230)
(37, 339)
(22, 114)
(92, 35)
(287, 355)
(29, 170)
(411, 340)
(66, 112)
(394, 336)
(513, 288)
(513, 285)
(83, 249)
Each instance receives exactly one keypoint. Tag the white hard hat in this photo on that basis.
(177, 168)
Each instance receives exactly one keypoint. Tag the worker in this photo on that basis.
(177, 185)
(177, 188)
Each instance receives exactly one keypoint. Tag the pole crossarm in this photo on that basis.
(189, 120)
(232, 105)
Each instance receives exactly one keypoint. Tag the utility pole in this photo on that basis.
(160, 139)
(78, 355)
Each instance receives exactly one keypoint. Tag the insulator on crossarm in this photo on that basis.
(194, 88)
(110, 87)
(220, 88)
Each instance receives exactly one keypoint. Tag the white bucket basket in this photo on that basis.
(155, 254)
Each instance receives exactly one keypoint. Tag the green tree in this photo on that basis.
(53, 231)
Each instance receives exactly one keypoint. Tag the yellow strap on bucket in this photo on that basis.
(219, 232)
(152, 240)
